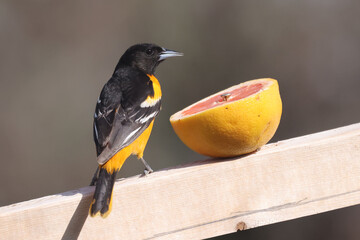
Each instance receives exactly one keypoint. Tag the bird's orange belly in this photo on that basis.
(137, 148)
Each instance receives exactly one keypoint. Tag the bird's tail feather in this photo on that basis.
(102, 200)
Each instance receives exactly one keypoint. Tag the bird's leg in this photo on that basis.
(148, 169)
(95, 177)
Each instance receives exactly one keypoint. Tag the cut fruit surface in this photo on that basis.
(235, 121)
(229, 96)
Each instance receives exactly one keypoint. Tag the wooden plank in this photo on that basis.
(285, 180)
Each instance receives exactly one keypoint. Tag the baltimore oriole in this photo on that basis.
(124, 116)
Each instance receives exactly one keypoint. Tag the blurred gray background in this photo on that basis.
(56, 55)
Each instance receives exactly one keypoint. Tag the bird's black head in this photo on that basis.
(145, 57)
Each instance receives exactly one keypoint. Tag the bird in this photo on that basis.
(124, 116)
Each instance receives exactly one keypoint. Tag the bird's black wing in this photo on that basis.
(104, 116)
(120, 117)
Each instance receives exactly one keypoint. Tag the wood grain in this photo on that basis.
(284, 180)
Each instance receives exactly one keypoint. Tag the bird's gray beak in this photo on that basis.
(169, 53)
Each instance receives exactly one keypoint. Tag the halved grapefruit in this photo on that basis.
(235, 121)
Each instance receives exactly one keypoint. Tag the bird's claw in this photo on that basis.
(148, 171)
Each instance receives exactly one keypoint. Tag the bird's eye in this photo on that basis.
(149, 52)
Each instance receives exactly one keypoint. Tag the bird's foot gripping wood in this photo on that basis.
(147, 172)
(148, 169)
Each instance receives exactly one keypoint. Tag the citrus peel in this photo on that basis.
(235, 121)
